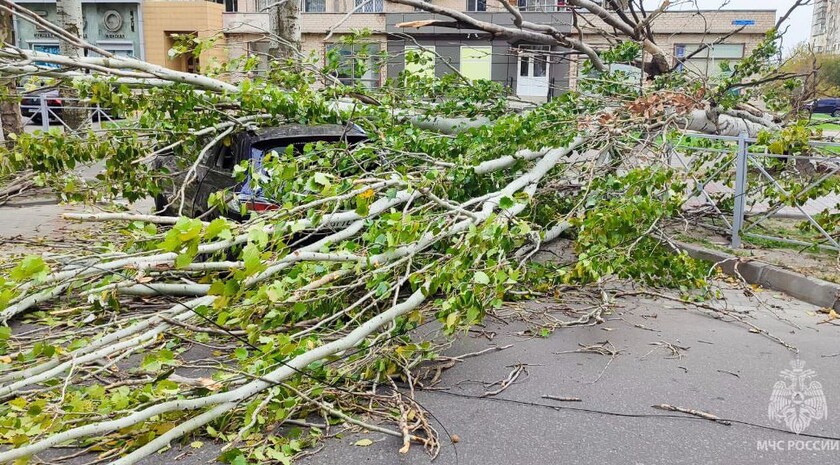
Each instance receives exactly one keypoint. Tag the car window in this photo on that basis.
(225, 159)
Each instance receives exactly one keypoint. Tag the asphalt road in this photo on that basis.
(725, 370)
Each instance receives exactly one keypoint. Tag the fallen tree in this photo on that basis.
(432, 219)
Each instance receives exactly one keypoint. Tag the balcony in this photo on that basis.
(246, 16)
(251, 16)
(558, 17)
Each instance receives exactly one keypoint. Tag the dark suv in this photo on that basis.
(830, 106)
(215, 170)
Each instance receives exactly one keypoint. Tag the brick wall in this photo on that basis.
(712, 22)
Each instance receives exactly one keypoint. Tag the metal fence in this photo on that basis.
(48, 111)
(744, 185)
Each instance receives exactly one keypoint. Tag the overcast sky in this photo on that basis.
(799, 22)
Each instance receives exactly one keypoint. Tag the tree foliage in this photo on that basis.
(315, 302)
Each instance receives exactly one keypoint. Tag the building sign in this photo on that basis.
(743, 22)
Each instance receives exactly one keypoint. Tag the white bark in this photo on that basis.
(700, 121)
(284, 22)
(74, 113)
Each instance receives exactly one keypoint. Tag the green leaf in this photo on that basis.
(363, 442)
(481, 277)
(217, 228)
(322, 179)
(506, 202)
(32, 266)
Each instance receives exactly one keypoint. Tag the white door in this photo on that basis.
(532, 79)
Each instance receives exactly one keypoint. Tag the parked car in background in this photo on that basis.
(30, 105)
(829, 106)
(215, 172)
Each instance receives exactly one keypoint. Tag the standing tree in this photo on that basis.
(9, 104)
(284, 22)
(70, 18)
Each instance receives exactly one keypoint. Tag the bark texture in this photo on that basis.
(284, 20)
(69, 14)
(9, 105)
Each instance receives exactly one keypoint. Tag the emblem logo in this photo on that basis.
(798, 399)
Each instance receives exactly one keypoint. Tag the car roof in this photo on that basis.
(307, 133)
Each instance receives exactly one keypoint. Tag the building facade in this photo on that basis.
(168, 21)
(680, 33)
(528, 69)
(825, 38)
(149, 29)
(113, 25)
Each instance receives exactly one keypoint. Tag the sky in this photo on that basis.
(799, 23)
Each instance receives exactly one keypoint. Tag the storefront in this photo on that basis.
(113, 26)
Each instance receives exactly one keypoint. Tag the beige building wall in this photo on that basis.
(673, 28)
(162, 18)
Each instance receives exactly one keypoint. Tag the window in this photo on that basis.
(231, 6)
(315, 6)
(712, 61)
(523, 65)
(52, 49)
(370, 6)
(357, 64)
(476, 5)
(121, 52)
(259, 49)
(540, 66)
(545, 6)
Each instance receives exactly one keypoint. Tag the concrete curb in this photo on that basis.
(812, 290)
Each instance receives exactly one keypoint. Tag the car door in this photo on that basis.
(824, 105)
(216, 175)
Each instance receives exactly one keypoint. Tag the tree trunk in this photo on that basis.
(9, 104)
(69, 14)
(284, 21)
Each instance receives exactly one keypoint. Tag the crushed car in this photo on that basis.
(216, 171)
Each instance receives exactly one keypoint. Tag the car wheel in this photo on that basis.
(836, 113)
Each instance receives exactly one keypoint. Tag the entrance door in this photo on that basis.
(533, 71)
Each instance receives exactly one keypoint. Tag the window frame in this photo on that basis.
(374, 68)
(473, 6)
(307, 3)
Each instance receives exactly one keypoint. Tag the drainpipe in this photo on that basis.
(142, 34)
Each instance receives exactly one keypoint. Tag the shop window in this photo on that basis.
(52, 49)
